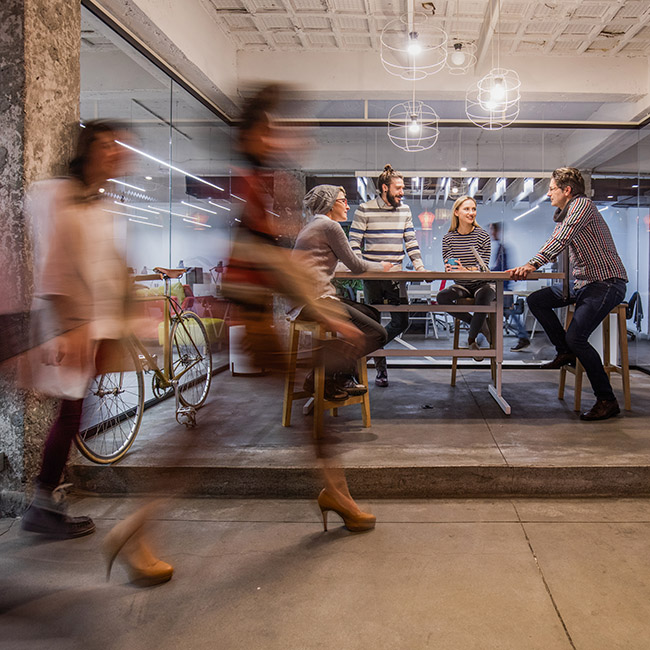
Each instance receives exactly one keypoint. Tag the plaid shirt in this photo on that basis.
(592, 251)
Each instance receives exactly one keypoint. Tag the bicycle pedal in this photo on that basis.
(187, 416)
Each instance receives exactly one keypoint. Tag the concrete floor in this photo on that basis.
(445, 574)
(462, 444)
(436, 573)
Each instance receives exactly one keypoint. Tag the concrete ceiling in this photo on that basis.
(590, 27)
(579, 61)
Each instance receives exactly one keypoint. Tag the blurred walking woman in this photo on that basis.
(464, 235)
(82, 292)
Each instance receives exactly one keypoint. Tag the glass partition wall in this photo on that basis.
(177, 144)
(175, 206)
(508, 173)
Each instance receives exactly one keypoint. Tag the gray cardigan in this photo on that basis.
(321, 244)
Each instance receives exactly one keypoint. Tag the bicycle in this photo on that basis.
(114, 405)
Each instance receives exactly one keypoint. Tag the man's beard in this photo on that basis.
(393, 200)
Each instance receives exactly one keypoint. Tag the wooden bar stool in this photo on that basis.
(454, 360)
(622, 369)
(320, 403)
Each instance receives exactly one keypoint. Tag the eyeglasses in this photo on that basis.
(553, 189)
(344, 201)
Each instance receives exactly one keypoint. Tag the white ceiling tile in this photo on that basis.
(308, 5)
(266, 5)
(565, 46)
(315, 22)
(227, 4)
(239, 21)
(285, 38)
(593, 10)
(579, 28)
(251, 38)
(321, 40)
(546, 27)
(349, 6)
(632, 9)
(276, 21)
(353, 23)
(601, 44)
(357, 41)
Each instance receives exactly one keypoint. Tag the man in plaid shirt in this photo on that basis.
(599, 286)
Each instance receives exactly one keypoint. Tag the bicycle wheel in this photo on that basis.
(191, 359)
(112, 414)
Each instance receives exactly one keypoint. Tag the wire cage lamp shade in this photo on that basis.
(413, 48)
(461, 57)
(413, 126)
(493, 102)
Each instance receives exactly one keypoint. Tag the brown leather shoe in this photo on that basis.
(561, 359)
(602, 410)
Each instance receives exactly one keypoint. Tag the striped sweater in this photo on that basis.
(592, 251)
(455, 245)
(384, 232)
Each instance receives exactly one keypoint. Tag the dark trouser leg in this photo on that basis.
(375, 336)
(451, 296)
(593, 303)
(484, 295)
(541, 304)
(376, 292)
(57, 445)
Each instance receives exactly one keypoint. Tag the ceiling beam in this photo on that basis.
(490, 21)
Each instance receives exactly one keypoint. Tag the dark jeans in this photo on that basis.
(592, 303)
(483, 295)
(57, 445)
(378, 291)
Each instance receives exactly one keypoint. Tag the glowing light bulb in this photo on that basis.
(414, 126)
(458, 56)
(490, 105)
(463, 169)
(498, 90)
(454, 190)
(414, 46)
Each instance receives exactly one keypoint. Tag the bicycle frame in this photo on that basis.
(165, 375)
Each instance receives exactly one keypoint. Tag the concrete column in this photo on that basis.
(39, 113)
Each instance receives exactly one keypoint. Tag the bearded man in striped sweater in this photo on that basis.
(384, 227)
(599, 286)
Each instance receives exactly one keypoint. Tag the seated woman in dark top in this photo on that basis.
(465, 234)
(320, 245)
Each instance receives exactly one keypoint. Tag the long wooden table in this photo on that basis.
(496, 277)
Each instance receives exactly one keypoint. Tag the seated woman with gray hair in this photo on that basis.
(320, 246)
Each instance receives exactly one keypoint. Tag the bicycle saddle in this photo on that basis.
(169, 273)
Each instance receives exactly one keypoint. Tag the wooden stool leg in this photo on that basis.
(289, 382)
(454, 360)
(362, 369)
(491, 321)
(577, 399)
(560, 390)
(624, 361)
(563, 370)
(319, 398)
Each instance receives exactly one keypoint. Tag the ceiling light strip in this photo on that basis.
(172, 167)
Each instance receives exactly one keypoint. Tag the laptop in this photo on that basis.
(479, 260)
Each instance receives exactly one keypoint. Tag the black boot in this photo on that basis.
(47, 516)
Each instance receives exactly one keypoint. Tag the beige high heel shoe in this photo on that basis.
(354, 521)
(127, 541)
